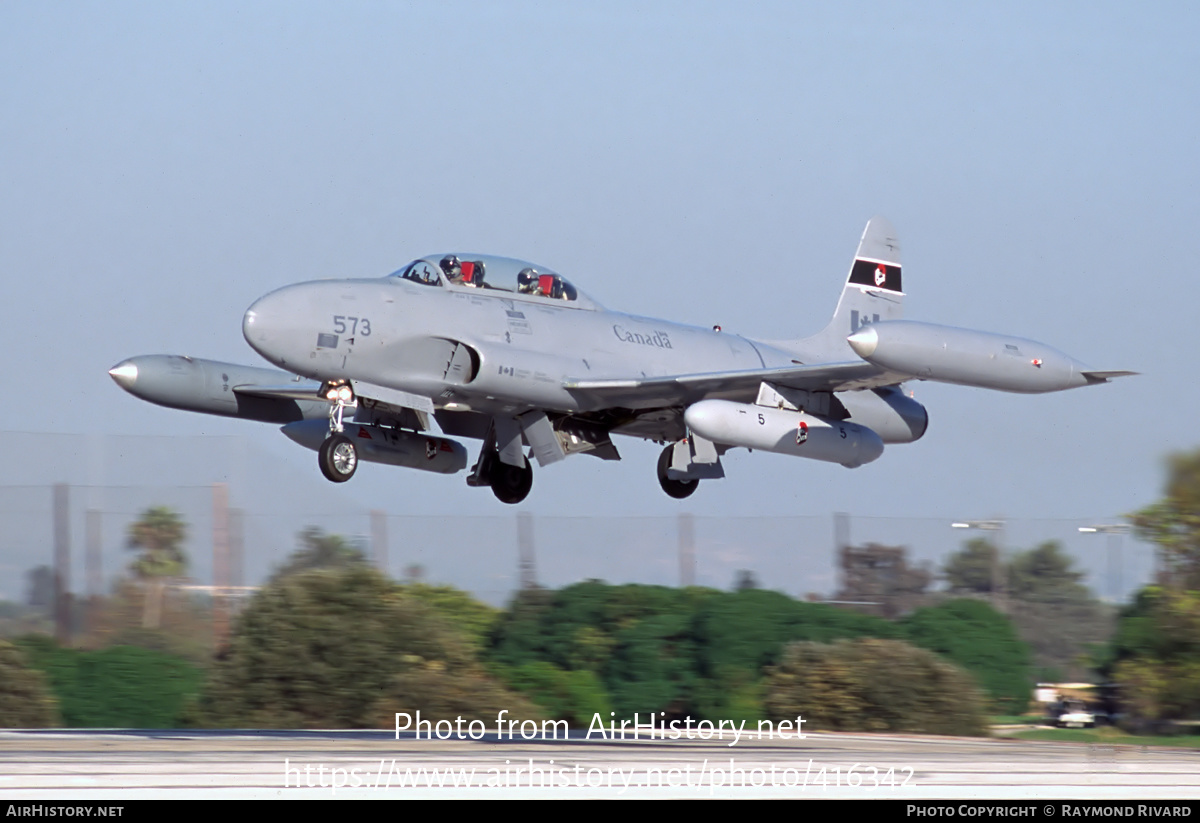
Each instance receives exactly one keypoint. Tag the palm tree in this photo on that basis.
(159, 536)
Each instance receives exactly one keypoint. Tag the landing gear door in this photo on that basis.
(695, 459)
(541, 437)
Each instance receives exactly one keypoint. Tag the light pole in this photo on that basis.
(996, 525)
(1115, 566)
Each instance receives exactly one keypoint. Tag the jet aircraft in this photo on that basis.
(512, 354)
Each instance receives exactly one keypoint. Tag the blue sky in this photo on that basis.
(164, 165)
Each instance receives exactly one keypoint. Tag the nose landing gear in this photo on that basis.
(338, 456)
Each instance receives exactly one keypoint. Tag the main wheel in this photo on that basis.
(678, 489)
(338, 458)
(511, 484)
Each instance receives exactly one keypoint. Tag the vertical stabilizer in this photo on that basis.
(873, 292)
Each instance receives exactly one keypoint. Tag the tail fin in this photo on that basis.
(872, 293)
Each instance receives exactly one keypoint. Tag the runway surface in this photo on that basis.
(366, 764)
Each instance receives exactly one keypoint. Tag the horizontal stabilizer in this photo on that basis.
(1093, 376)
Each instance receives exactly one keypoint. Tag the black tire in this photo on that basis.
(678, 489)
(511, 484)
(338, 458)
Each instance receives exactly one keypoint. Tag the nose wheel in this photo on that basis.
(338, 458)
(678, 489)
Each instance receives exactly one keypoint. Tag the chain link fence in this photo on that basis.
(484, 554)
(86, 521)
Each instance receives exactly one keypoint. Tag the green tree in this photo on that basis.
(117, 687)
(740, 634)
(871, 684)
(1055, 613)
(745, 579)
(40, 593)
(574, 696)
(980, 640)
(319, 550)
(1155, 655)
(158, 538)
(681, 651)
(974, 569)
(1155, 658)
(1044, 597)
(1045, 574)
(473, 619)
(1173, 523)
(347, 648)
(653, 666)
(25, 700)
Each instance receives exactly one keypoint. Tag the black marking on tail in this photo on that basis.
(876, 275)
(857, 322)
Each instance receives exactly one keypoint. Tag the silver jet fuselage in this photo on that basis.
(515, 351)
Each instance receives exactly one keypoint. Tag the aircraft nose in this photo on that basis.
(248, 321)
(264, 322)
(279, 325)
(125, 374)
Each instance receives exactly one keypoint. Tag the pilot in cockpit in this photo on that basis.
(451, 268)
(527, 282)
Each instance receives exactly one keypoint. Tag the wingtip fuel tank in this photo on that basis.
(211, 387)
(968, 358)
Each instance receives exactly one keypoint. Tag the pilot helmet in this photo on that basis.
(449, 263)
(526, 277)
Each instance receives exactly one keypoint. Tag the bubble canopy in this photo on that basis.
(491, 274)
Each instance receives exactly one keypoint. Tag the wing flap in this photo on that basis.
(652, 392)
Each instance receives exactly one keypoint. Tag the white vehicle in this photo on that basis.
(1076, 716)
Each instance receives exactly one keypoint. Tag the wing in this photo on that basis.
(684, 389)
(409, 410)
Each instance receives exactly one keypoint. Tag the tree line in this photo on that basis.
(329, 642)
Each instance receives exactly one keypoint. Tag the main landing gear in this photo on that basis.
(510, 484)
(338, 456)
(678, 489)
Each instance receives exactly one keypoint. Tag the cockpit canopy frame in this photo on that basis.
(495, 276)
